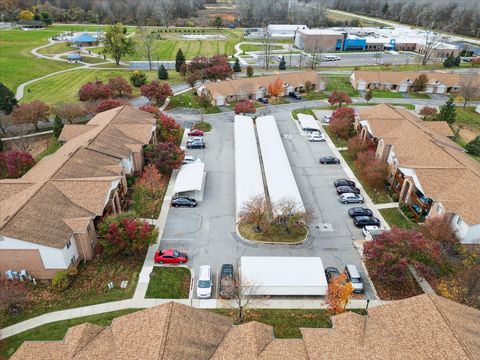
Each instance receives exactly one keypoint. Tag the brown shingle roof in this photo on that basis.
(71, 131)
(422, 327)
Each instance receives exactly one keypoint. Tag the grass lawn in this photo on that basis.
(341, 83)
(203, 126)
(253, 47)
(315, 95)
(395, 217)
(377, 197)
(338, 142)
(286, 322)
(56, 330)
(387, 94)
(58, 48)
(53, 146)
(417, 95)
(469, 118)
(189, 100)
(64, 87)
(276, 233)
(88, 288)
(169, 283)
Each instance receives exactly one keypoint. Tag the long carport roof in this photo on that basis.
(189, 178)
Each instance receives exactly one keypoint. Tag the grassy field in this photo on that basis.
(189, 100)
(276, 233)
(253, 47)
(56, 330)
(386, 94)
(169, 283)
(417, 95)
(64, 87)
(59, 48)
(469, 118)
(341, 83)
(394, 217)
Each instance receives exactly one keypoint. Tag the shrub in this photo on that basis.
(371, 169)
(245, 107)
(138, 78)
(119, 86)
(94, 91)
(249, 71)
(14, 164)
(108, 104)
(162, 73)
(342, 122)
(8, 100)
(167, 156)
(60, 281)
(156, 92)
(339, 97)
(356, 145)
(473, 147)
(57, 127)
(427, 112)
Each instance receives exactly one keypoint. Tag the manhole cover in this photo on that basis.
(324, 227)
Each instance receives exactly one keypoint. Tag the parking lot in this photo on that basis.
(207, 233)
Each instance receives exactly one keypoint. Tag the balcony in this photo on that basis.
(419, 204)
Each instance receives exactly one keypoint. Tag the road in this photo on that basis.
(207, 233)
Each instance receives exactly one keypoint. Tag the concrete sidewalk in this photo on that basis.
(387, 205)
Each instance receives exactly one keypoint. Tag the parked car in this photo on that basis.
(226, 289)
(183, 201)
(190, 159)
(195, 132)
(349, 198)
(205, 282)
(347, 189)
(329, 160)
(331, 272)
(327, 118)
(359, 211)
(194, 138)
(196, 144)
(170, 256)
(344, 182)
(361, 221)
(263, 100)
(369, 229)
(294, 95)
(316, 136)
(355, 279)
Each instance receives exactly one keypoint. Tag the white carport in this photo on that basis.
(308, 122)
(278, 173)
(190, 179)
(278, 275)
(248, 175)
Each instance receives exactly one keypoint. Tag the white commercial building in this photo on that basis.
(248, 175)
(284, 30)
(278, 173)
(278, 275)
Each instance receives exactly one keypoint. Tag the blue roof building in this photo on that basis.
(84, 38)
(74, 57)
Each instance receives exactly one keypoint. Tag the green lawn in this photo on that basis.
(59, 48)
(417, 95)
(169, 283)
(64, 87)
(56, 330)
(253, 47)
(469, 118)
(315, 95)
(387, 94)
(394, 217)
(341, 83)
(189, 100)
(286, 322)
(275, 233)
(338, 142)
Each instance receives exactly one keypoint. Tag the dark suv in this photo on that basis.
(331, 272)
(295, 95)
(359, 211)
(183, 201)
(344, 182)
(347, 189)
(361, 221)
(226, 290)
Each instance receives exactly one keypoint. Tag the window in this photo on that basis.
(72, 260)
(69, 244)
(459, 221)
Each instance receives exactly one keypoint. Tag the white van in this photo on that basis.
(354, 276)
(205, 283)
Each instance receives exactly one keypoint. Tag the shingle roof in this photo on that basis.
(422, 327)
(445, 172)
(71, 131)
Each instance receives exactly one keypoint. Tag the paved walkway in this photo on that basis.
(387, 205)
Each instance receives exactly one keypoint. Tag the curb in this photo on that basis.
(237, 231)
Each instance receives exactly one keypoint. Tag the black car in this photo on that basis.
(196, 144)
(226, 288)
(361, 221)
(359, 211)
(295, 95)
(263, 100)
(329, 160)
(347, 189)
(331, 272)
(183, 201)
(344, 182)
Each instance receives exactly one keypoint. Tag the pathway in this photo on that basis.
(387, 205)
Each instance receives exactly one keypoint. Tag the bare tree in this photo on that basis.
(166, 10)
(470, 88)
(267, 46)
(377, 56)
(316, 56)
(147, 42)
(432, 38)
(290, 213)
(20, 132)
(255, 211)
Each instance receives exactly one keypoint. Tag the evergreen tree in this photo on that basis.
(179, 60)
(162, 73)
(448, 111)
(368, 95)
(7, 99)
(448, 62)
(236, 66)
(385, 8)
(57, 126)
(473, 147)
(282, 65)
(456, 61)
(249, 71)
(218, 22)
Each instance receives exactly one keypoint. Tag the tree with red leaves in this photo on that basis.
(31, 113)
(192, 78)
(168, 129)
(213, 68)
(439, 229)
(339, 97)
(119, 86)
(276, 88)
(124, 234)
(152, 109)
(342, 122)
(148, 193)
(356, 145)
(14, 164)
(156, 92)
(428, 112)
(166, 156)
(94, 91)
(389, 254)
(245, 107)
(371, 169)
(108, 104)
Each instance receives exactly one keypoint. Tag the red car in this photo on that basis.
(170, 256)
(195, 132)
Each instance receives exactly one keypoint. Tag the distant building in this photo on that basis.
(319, 39)
(31, 24)
(284, 31)
(85, 39)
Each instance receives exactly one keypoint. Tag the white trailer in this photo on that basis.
(282, 275)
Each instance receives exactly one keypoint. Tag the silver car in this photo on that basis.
(350, 198)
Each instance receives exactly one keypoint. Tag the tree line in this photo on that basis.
(457, 17)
